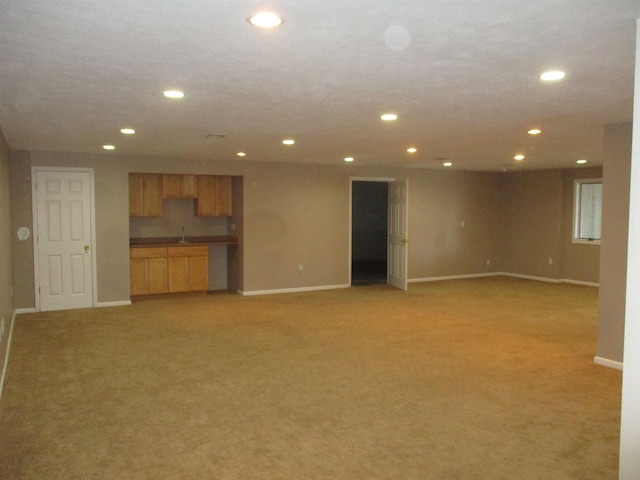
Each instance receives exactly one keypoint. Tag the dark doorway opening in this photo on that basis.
(369, 232)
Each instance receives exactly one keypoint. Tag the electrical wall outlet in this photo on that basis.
(550, 261)
(488, 262)
(300, 268)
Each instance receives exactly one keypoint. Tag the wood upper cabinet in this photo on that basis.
(147, 190)
(145, 195)
(148, 270)
(206, 195)
(179, 186)
(188, 268)
(170, 186)
(214, 195)
(188, 186)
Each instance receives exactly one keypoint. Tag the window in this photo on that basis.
(587, 211)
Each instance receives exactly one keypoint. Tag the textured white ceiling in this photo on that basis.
(461, 74)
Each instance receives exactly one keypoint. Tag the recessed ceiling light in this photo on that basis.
(519, 157)
(288, 141)
(265, 20)
(389, 117)
(534, 131)
(109, 147)
(552, 75)
(447, 164)
(581, 161)
(348, 159)
(127, 131)
(241, 154)
(412, 149)
(173, 94)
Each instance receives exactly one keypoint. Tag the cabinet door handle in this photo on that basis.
(86, 248)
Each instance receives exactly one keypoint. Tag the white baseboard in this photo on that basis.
(579, 282)
(292, 290)
(551, 280)
(454, 277)
(605, 362)
(6, 356)
(424, 279)
(25, 310)
(97, 305)
(531, 277)
(113, 304)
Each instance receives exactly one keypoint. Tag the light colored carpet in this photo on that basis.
(472, 379)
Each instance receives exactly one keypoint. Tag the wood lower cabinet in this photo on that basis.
(188, 268)
(148, 270)
(156, 270)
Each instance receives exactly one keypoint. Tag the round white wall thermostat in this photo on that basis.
(23, 233)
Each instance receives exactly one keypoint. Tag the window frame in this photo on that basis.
(577, 208)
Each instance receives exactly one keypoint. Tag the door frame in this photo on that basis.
(34, 229)
(386, 180)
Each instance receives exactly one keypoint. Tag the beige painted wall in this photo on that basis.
(299, 214)
(24, 296)
(532, 223)
(439, 203)
(537, 226)
(6, 299)
(295, 215)
(615, 221)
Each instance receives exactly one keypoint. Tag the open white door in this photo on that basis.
(398, 234)
(63, 243)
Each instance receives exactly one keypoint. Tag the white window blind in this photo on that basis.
(588, 211)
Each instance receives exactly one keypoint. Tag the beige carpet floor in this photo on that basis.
(473, 379)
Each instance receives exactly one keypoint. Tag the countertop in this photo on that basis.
(175, 241)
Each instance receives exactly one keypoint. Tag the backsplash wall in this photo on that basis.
(176, 214)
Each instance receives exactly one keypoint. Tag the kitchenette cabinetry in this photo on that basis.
(148, 270)
(169, 269)
(179, 186)
(168, 265)
(214, 196)
(188, 268)
(212, 193)
(145, 195)
(179, 233)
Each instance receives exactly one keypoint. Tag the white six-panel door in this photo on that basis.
(63, 243)
(398, 235)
